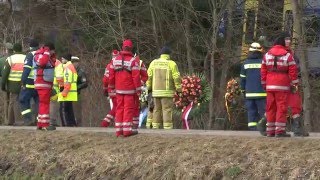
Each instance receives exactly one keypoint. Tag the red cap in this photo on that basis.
(127, 43)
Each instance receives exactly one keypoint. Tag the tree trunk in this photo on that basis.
(298, 33)
(227, 55)
(188, 35)
(154, 26)
(120, 19)
(212, 64)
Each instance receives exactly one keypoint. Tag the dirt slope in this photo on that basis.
(76, 155)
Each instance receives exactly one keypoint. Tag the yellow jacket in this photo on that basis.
(164, 77)
(70, 78)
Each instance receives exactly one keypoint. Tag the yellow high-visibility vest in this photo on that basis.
(70, 78)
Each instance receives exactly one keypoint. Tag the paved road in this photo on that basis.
(160, 132)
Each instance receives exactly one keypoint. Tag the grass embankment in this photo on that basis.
(73, 155)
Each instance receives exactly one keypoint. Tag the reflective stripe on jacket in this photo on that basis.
(278, 70)
(27, 78)
(251, 78)
(124, 74)
(43, 65)
(58, 76)
(164, 77)
(70, 78)
(16, 63)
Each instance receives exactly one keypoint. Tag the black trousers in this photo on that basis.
(67, 114)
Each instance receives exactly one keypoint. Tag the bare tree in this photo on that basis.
(299, 35)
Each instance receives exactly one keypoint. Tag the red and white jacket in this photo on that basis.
(143, 72)
(278, 70)
(124, 74)
(44, 64)
(105, 81)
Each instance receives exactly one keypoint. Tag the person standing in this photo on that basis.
(68, 94)
(250, 84)
(278, 75)
(5, 95)
(44, 63)
(82, 83)
(164, 80)
(144, 78)
(27, 90)
(294, 99)
(125, 80)
(11, 82)
(57, 85)
(112, 95)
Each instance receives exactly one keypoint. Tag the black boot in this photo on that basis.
(262, 126)
(297, 127)
(283, 135)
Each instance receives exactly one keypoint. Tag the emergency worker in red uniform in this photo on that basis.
(44, 62)
(144, 78)
(278, 76)
(124, 78)
(112, 95)
(294, 99)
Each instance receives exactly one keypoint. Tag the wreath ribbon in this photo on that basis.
(185, 116)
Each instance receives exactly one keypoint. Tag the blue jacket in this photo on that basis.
(251, 77)
(27, 78)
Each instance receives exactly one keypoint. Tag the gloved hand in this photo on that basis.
(138, 93)
(105, 92)
(54, 97)
(64, 93)
(104, 123)
(294, 88)
(264, 86)
(61, 88)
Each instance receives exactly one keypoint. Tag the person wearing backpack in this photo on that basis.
(278, 76)
(44, 63)
(125, 81)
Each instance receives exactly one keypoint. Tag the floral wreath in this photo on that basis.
(194, 89)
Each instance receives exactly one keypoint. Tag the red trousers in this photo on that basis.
(44, 107)
(124, 114)
(111, 114)
(276, 110)
(135, 120)
(295, 103)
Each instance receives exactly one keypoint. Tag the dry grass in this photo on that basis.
(72, 155)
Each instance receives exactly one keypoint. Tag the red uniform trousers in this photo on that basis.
(135, 120)
(111, 114)
(276, 110)
(124, 114)
(44, 108)
(295, 103)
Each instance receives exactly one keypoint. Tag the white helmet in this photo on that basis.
(255, 47)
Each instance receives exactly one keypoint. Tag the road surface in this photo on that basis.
(180, 132)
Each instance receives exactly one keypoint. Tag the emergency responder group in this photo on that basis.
(126, 77)
(30, 81)
(270, 85)
(269, 82)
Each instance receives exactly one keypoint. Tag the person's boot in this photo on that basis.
(297, 127)
(284, 134)
(262, 126)
(132, 134)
